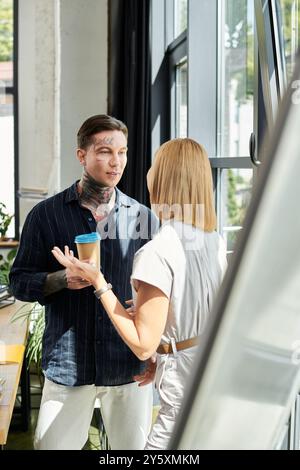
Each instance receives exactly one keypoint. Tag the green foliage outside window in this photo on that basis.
(232, 206)
(5, 266)
(6, 30)
(5, 220)
(238, 198)
(241, 39)
(183, 14)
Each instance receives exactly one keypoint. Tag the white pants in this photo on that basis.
(66, 413)
(172, 375)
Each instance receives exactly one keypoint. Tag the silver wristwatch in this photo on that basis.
(101, 291)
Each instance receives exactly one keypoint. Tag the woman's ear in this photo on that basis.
(80, 153)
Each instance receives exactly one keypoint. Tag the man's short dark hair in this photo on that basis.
(95, 124)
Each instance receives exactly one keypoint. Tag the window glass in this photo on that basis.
(181, 99)
(7, 155)
(235, 194)
(236, 77)
(6, 43)
(289, 23)
(7, 190)
(180, 10)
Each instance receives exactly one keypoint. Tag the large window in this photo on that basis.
(235, 115)
(209, 51)
(8, 97)
(206, 84)
(229, 81)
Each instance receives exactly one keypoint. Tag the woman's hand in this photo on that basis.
(149, 374)
(78, 268)
(75, 282)
(130, 310)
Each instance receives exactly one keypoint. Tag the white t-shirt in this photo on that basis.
(187, 265)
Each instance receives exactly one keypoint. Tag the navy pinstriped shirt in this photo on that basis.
(80, 344)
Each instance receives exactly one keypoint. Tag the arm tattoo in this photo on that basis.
(55, 282)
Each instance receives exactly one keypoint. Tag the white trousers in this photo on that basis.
(66, 413)
(172, 376)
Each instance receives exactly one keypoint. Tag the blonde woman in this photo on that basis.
(175, 276)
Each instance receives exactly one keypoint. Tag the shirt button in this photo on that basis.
(90, 219)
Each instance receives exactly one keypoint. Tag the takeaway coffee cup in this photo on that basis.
(88, 247)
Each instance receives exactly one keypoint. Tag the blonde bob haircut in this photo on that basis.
(180, 184)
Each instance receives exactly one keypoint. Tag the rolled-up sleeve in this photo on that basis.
(153, 269)
(29, 270)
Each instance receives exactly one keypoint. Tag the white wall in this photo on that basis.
(62, 80)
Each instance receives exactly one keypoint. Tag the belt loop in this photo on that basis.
(174, 348)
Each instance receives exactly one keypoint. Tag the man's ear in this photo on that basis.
(80, 153)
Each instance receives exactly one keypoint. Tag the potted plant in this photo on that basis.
(35, 315)
(5, 220)
(5, 266)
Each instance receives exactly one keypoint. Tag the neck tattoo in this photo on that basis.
(94, 196)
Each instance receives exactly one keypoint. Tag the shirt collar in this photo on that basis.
(121, 199)
(71, 193)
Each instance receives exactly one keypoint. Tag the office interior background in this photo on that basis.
(218, 71)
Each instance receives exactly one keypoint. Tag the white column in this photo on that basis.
(62, 81)
(36, 95)
(83, 74)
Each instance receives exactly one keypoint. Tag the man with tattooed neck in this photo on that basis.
(84, 358)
